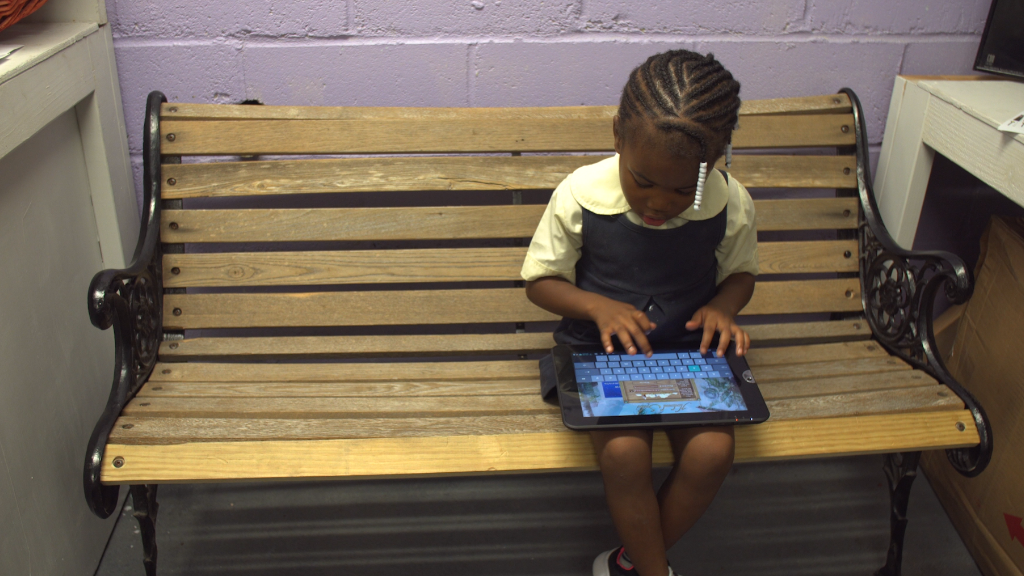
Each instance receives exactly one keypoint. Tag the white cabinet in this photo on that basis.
(67, 210)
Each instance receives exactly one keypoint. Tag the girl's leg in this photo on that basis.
(625, 460)
(703, 459)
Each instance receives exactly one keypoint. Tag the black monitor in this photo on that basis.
(1002, 45)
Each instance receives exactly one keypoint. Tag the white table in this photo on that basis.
(956, 117)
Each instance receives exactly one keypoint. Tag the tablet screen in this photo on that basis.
(666, 383)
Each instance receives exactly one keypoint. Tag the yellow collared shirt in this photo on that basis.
(557, 243)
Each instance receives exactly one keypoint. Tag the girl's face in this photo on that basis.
(658, 183)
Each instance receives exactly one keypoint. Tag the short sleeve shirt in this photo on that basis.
(558, 241)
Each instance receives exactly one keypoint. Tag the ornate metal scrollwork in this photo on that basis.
(898, 288)
(131, 301)
(145, 306)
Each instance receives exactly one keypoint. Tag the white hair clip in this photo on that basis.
(701, 177)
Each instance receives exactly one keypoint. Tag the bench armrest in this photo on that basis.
(898, 290)
(130, 300)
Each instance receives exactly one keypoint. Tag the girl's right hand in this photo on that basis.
(625, 322)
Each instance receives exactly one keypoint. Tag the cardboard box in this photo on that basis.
(986, 355)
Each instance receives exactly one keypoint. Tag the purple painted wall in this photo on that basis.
(519, 53)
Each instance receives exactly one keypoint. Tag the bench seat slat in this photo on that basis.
(826, 369)
(297, 347)
(466, 133)
(149, 430)
(354, 372)
(424, 307)
(834, 103)
(442, 223)
(391, 174)
(340, 389)
(335, 407)
(562, 450)
(820, 406)
(771, 390)
(356, 346)
(438, 265)
(185, 420)
(471, 371)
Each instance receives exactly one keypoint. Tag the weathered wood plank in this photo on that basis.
(821, 406)
(807, 257)
(807, 214)
(295, 224)
(147, 430)
(351, 371)
(449, 344)
(826, 385)
(779, 355)
(340, 389)
(334, 407)
(563, 450)
(893, 401)
(845, 384)
(388, 307)
(793, 333)
(441, 223)
(432, 173)
(468, 371)
(408, 307)
(381, 135)
(186, 111)
(354, 346)
(444, 265)
(349, 267)
(817, 370)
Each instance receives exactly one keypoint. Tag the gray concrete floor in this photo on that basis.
(791, 518)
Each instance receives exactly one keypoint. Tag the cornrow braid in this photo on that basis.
(685, 93)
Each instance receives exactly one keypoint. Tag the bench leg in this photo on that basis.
(900, 471)
(144, 502)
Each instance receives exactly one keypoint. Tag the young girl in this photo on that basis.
(649, 247)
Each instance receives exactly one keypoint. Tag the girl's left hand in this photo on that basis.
(715, 320)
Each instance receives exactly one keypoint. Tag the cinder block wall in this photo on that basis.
(522, 52)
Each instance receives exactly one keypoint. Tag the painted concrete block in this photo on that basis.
(463, 17)
(207, 73)
(941, 57)
(779, 69)
(557, 73)
(691, 16)
(357, 75)
(903, 17)
(228, 18)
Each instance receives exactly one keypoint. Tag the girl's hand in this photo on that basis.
(715, 320)
(624, 321)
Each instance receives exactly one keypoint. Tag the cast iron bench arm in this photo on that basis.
(130, 300)
(898, 290)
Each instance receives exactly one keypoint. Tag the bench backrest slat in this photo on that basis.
(467, 306)
(440, 223)
(466, 134)
(828, 103)
(433, 173)
(325, 267)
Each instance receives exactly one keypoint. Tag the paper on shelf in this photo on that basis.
(8, 49)
(1015, 124)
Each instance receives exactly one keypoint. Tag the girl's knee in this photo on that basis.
(711, 450)
(626, 456)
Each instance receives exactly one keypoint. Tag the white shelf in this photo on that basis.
(40, 41)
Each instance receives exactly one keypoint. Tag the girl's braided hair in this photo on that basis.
(682, 92)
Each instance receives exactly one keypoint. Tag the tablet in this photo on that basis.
(674, 387)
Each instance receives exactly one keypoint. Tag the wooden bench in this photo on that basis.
(361, 314)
